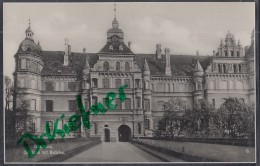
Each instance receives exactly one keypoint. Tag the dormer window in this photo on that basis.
(121, 48)
(114, 38)
(110, 47)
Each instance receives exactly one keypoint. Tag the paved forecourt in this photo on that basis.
(114, 152)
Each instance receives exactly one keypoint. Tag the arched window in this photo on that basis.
(127, 66)
(106, 66)
(117, 66)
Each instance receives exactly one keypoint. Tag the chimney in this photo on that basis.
(158, 51)
(168, 70)
(129, 45)
(67, 51)
(84, 50)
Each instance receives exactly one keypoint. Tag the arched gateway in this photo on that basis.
(107, 135)
(124, 133)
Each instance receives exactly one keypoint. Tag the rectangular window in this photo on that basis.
(27, 64)
(138, 102)
(127, 82)
(94, 100)
(23, 63)
(118, 83)
(147, 104)
(118, 104)
(49, 86)
(72, 105)
(72, 86)
(127, 103)
(33, 127)
(105, 83)
(94, 83)
(49, 106)
(137, 83)
(226, 53)
(50, 125)
(33, 104)
(33, 66)
(147, 124)
(238, 54)
(232, 53)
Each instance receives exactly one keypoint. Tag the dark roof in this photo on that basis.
(54, 62)
(30, 45)
(116, 50)
(182, 65)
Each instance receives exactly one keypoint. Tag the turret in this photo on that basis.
(146, 68)
(198, 72)
(198, 82)
(168, 70)
(27, 74)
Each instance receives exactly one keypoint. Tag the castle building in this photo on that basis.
(50, 80)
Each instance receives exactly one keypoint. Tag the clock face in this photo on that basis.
(24, 47)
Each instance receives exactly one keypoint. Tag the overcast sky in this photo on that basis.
(182, 27)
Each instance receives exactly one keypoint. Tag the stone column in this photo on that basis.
(221, 68)
(237, 68)
(38, 125)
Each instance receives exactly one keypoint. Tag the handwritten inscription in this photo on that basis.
(73, 124)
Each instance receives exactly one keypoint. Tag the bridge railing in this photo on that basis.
(250, 142)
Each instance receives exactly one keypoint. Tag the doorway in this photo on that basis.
(107, 135)
(124, 133)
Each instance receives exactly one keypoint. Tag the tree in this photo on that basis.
(8, 93)
(17, 119)
(199, 120)
(171, 125)
(236, 118)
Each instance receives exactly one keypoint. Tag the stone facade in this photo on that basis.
(49, 80)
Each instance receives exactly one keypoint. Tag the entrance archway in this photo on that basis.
(124, 133)
(107, 135)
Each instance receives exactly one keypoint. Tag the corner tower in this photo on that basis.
(27, 75)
